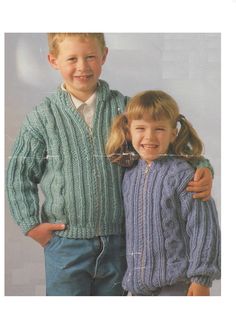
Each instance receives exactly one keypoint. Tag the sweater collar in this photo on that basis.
(102, 91)
(155, 163)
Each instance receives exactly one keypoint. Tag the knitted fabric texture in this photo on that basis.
(170, 236)
(57, 149)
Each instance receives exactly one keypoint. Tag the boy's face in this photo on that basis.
(80, 63)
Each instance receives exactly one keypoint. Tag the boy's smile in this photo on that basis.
(80, 63)
(151, 138)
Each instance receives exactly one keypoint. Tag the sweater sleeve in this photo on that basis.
(202, 163)
(202, 227)
(26, 166)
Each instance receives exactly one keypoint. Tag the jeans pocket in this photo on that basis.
(52, 240)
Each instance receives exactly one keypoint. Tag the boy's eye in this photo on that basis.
(90, 57)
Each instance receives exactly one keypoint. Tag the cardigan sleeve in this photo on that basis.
(26, 166)
(202, 163)
(202, 227)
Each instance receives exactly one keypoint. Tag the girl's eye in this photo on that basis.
(72, 59)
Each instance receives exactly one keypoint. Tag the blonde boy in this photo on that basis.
(61, 147)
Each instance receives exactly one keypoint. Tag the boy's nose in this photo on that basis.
(81, 65)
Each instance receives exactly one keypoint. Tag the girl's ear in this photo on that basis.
(174, 135)
(53, 61)
(128, 135)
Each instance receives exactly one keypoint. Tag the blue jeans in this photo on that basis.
(85, 267)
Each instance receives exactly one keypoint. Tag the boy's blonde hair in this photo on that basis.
(55, 38)
(157, 105)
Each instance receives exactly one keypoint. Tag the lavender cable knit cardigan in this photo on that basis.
(170, 236)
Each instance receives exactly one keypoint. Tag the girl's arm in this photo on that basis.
(196, 289)
(203, 229)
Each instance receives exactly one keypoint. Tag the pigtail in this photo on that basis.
(119, 149)
(187, 142)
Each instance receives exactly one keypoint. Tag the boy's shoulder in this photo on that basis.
(40, 112)
(54, 98)
(105, 93)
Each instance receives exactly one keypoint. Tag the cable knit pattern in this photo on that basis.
(170, 236)
(57, 149)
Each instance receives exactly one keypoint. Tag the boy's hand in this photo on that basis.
(196, 289)
(201, 184)
(43, 232)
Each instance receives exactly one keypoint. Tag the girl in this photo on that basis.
(173, 241)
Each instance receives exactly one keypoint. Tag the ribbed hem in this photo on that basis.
(203, 280)
(25, 227)
(91, 232)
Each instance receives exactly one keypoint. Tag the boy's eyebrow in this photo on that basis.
(86, 54)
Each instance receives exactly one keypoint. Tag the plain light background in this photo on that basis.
(185, 65)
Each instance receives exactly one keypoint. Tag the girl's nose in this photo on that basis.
(149, 134)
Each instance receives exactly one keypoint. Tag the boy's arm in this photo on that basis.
(26, 166)
(204, 240)
(201, 184)
(43, 232)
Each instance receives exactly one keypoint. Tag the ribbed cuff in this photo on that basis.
(26, 226)
(205, 163)
(203, 280)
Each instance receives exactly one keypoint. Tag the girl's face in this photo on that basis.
(80, 64)
(151, 138)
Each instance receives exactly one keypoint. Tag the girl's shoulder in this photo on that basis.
(179, 165)
(179, 171)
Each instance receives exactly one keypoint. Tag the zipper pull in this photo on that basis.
(147, 169)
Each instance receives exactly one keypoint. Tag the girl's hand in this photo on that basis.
(196, 289)
(201, 184)
(44, 232)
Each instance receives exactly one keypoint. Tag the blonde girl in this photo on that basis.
(156, 105)
(173, 241)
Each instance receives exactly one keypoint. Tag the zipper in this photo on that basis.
(146, 172)
(98, 185)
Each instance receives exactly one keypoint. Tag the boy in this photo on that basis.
(61, 146)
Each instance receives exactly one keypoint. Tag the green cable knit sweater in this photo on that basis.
(57, 149)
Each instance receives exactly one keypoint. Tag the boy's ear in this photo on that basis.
(52, 60)
(104, 55)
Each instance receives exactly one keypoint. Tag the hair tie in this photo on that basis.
(181, 117)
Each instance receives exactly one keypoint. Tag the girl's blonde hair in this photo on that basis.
(157, 105)
(54, 39)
